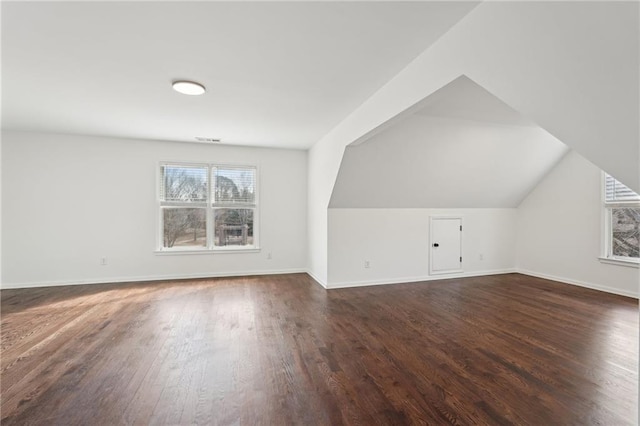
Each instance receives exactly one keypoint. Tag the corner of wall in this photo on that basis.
(317, 279)
(559, 231)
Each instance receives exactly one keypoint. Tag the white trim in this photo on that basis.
(194, 164)
(349, 284)
(620, 262)
(178, 251)
(607, 236)
(606, 239)
(210, 208)
(622, 204)
(115, 280)
(579, 283)
(316, 279)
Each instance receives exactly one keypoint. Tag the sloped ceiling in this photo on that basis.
(466, 100)
(462, 148)
(571, 67)
(278, 74)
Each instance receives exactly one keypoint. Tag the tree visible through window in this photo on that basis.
(233, 202)
(622, 215)
(207, 206)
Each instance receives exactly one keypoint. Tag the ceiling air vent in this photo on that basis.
(212, 140)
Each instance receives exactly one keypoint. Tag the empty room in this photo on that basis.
(320, 213)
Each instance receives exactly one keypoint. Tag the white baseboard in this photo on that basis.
(579, 283)
(108, 280)
(318, 280)
(348, 284)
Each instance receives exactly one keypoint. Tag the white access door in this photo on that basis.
(445, 245)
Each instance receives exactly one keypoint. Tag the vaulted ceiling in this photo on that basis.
(278, 74)
(462, 148)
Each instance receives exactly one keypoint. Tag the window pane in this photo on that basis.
(182, 183)
(233, 227)
(184, 227)
(235, 185)
(625, 226)
(615, 191)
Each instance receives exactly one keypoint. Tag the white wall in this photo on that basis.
(440, 162)
(396, 243)
(559, 230)
(69, 200)
(1, 210)
(571, 67)
(323, 164)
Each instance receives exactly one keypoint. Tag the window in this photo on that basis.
(207, 207)
(622, 221)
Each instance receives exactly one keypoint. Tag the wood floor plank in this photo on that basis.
(496, 350)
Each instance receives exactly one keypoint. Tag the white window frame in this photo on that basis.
(607, 232)
(210, 207)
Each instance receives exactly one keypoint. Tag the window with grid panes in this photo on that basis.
(207, 207)
(622, 221)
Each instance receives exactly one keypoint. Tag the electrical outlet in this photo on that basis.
(103, 261)
(481, 256)
(367, 264)
(269, 256)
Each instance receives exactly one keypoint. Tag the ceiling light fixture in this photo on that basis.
(188, 87)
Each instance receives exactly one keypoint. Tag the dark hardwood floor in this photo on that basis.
(280, 350)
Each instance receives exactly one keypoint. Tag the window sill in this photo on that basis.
(620, 262)
(180, 252)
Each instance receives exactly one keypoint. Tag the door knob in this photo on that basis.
(436, 245)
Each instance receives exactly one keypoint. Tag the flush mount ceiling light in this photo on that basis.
(188, 87)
